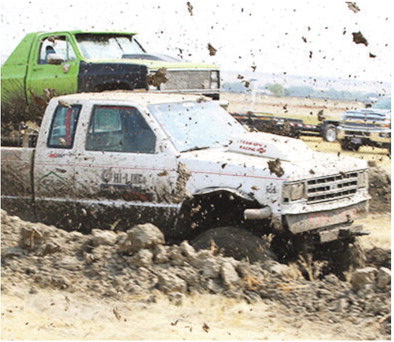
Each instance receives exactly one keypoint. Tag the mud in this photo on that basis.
(212, 50)
(379, 190)
(275, 167)
(106, 264)
(358, 38)
(353, 6)
(159, 77)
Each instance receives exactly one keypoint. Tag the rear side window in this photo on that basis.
(56, 45)
(63, 126)
(119, 129)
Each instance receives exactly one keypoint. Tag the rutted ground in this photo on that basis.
(107, 285)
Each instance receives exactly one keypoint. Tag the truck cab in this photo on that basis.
(45, 64)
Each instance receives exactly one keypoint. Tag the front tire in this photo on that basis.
(346, 145)
(234, 242)
(330, 133)
(344, 256)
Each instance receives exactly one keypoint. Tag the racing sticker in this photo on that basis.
(252, 146)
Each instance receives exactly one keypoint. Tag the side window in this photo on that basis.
(119, 129)
(56, 45)
(63, 126)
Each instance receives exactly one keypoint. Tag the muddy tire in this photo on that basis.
(235, 242)
(344, 256)
(330, 133)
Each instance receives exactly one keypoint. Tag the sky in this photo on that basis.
(298, 37)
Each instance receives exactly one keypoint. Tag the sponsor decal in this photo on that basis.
(125, 185)
(253, 146)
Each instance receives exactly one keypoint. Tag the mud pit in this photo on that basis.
(107, 285)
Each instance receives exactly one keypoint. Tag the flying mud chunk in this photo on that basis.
(358, 38)
(158, 77)
(212, 50)
(353, 6)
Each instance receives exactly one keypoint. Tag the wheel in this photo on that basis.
(330, 133)
(235, 242)
(347, 145)
(344, 255)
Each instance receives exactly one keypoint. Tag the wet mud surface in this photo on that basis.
(108, 265)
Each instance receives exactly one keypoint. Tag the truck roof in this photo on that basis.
(83, 31)
(142, 97)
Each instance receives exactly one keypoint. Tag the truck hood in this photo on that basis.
(156, 64)
(270, 146)
(252, 154)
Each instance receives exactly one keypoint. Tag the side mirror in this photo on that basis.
(54, 58)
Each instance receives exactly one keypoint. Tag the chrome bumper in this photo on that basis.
(378, 136)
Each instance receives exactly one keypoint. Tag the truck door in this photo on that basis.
(54, 167)
(53, 68)
(121, 177)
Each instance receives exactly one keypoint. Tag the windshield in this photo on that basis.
(193, 126)
(107, 46)
(383, 103)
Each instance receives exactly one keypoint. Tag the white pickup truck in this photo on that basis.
(112, 160)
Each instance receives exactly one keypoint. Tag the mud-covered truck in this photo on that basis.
(112, 160)
(45, 64)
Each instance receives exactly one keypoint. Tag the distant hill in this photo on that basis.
(297, 85)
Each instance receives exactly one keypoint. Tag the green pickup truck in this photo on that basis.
(45, 64)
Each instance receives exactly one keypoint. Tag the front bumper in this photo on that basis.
(377, 136)
(325, 220)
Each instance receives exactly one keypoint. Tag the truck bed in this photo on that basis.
(16, 178)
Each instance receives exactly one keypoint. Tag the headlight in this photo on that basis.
(214, 79)
(362, 181)
(293, 192)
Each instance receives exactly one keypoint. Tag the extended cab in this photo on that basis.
(112, 160)
(56, 63)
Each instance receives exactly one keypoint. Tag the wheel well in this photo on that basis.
(331, 122)
(214, 209)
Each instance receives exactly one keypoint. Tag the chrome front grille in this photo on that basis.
(187, 80)
(332, 187)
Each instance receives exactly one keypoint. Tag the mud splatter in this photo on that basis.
(159, 77)
(180, 188)
(276, 167)
(353, 6)
(320, 115)
(358, 38)
(212, 50)
(189, 8)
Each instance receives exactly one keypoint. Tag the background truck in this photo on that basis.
(45, 64)
(112, 160)
(366, 127)
(266, 122)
